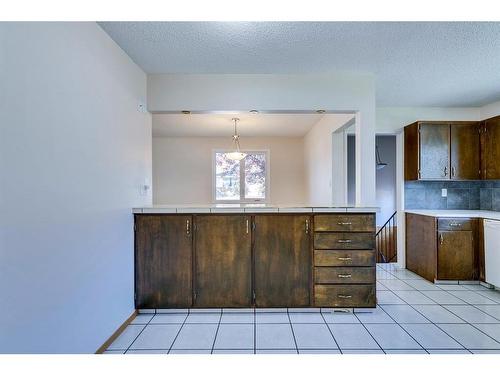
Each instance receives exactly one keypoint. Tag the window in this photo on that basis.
(246, 180)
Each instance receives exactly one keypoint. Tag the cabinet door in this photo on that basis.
(163, 261)
(434, 151)
(456, 255)
(465, 154)
(282, 260)
(223, 259)
(490, 140)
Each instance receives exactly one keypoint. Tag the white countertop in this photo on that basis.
(492, 215)
(243, 208)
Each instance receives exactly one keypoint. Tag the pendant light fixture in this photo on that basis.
(236, 154)
(380, 164)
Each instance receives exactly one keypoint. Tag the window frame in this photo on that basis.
(242, 199)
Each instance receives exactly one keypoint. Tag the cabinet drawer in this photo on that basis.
(344, 275)
(344, 296)
(344, 258)
(455, 224)
(344, 223)
(342, 241)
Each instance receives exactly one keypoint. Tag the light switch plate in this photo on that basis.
(444, 193)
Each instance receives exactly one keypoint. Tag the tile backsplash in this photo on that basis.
(462, 195)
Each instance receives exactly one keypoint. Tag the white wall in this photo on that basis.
(490, 110)
(391, 120)
(182, 168)
(318, 158)
(73, 151)
(271, 92)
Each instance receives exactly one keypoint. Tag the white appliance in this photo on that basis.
(492, 251)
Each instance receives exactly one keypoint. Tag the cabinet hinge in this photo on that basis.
(253, 225)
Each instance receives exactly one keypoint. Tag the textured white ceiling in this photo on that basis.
(220, 125)
(415, 64)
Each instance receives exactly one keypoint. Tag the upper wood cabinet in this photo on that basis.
(282, 260)
(442, 151)
(163, 261)
(223, 261)
(490, 148)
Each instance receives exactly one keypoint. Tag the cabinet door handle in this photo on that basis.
(452, 171)
(344, 241)
(344, 276)
(188, 227)
(307, 226)
(445, 171)
(344, 258)
(344, 223)
(344, 296)
(441, 239)
(247, 226)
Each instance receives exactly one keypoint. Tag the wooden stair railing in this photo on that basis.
(386, 241)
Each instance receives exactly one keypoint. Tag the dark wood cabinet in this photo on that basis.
(455, 256)
(163, 261)
(442, 248)
(223, 261)
(442, 151)
(490, 148)
(434, 140)
(282, 260)
(465, 151)
(263, 260)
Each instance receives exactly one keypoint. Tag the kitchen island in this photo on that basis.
(254, 255)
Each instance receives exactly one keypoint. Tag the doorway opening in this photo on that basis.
(386, 242)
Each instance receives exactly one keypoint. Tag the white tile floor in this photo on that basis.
(412, 316)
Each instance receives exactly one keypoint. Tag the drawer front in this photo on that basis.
(341, 241)
(344, 296)
(335, 258)
(455, 224)
(344, 275)
(344, 223)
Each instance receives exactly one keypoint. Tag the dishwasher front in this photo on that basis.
(492, 252)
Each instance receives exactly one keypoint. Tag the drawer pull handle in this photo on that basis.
(307, 226)
(344, 241)
(188, 227)
(344, 223)
(344, 258)
(344, 296)
(346, 276)
(247, 226)
(455, 225)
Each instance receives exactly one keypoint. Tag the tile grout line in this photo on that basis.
(142, 330)
(451, 312)
(254, 331)
(293, 333)
(178, 332)
(366, 329)
(331, 333)
(216, 332)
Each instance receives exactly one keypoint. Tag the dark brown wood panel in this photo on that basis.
(490, 149)
(328, 240)
(465, 151)
(344, 296)
(344, 258)
(456, 258)
(344, 275)
(163, 261)
(421, 242)
(456, 224)
(223, 261)
(282, 260)
(411, 153)
(434, 140)
(344, 223)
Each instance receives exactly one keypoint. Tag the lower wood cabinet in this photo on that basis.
(282, 260)
(163, 261)
(223, 261)
(442, 248)
(262, 260)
